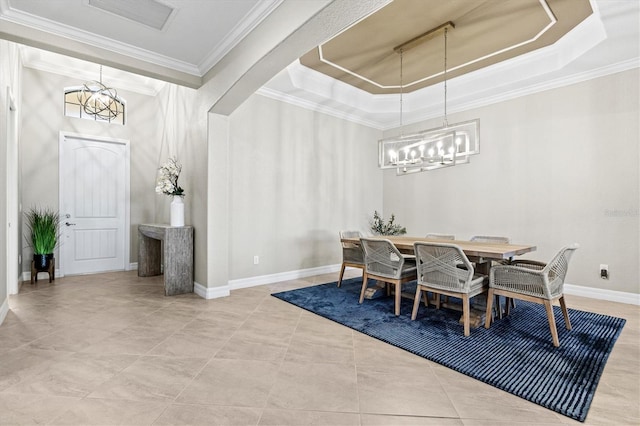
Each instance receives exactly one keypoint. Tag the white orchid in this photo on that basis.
(168, 178)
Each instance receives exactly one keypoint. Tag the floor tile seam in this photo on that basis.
(199, 372)
(281, 363)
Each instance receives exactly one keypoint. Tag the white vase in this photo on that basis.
(177, 211)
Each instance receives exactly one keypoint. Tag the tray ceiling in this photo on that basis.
(485, 33)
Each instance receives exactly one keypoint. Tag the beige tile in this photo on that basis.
(85, 334)
(26, 409)
(264, 337)
(151, 378)
(400, 390)
(243, 383)
(131, 340)
(317, 339)
(110, 412)
(21, 364)
(387, 420)
(315, 386)
(74, 375)
(71, 339)
(182, 414)
(274, 417)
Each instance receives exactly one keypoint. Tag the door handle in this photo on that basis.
(69, 224)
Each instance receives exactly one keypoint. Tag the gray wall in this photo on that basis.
(297, 177)
(43, 119)
(556, 167)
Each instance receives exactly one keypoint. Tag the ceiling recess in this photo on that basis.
(146, 12)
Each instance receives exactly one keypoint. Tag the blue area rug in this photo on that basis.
(516, 354)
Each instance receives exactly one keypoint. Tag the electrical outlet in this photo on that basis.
(256, 260)
(604, 271)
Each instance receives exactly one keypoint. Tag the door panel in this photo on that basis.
(94, 197)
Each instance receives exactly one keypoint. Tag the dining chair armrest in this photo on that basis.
(520, 280)
(527, 263)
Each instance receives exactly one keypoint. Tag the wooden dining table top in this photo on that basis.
(473, 249)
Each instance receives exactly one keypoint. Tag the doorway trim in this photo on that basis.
(127, 183)
(13, 207)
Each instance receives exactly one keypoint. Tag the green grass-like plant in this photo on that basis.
(44, 225)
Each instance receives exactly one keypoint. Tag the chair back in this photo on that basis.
(382, 258)
(441, 236)
(440, 266)
(351, 253)
(557, 268)
(490, 239)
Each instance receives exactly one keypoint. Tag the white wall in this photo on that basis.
(10, 78)
(43, 119)
(554, 168)
(297, 178)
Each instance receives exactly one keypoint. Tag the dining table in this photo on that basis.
(482, 254)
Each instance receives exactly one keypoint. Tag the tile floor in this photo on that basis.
(112, 349)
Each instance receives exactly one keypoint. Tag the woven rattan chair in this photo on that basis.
(384, 262)
(535, 282)
(496, 240)
(352, 254)
(441, 236)
(439, 273)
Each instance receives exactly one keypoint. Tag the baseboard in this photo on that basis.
(282, 276)
(4, 310)
(211, 292)
(223, 291)
(133, 266)
(602, 294)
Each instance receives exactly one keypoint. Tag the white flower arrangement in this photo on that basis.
(168, 178)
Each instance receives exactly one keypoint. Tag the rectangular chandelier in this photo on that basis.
(430, 149)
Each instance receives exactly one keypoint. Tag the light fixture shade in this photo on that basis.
(430, 149)
(99, 100)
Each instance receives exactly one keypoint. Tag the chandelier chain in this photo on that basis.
(401, 90)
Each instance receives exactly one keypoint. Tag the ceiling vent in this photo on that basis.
(146, 12)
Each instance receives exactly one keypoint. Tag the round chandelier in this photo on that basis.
(99, 100)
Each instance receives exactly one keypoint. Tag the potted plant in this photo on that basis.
(379, 227)
(44, 226)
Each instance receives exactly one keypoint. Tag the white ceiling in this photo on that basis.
(200, 32)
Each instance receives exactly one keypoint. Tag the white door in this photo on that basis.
(94, 204)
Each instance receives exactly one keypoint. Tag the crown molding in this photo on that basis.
(47, 26)
(255, 16)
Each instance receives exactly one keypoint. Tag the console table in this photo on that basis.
(177, 256)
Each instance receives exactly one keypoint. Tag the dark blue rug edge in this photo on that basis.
(566, 412)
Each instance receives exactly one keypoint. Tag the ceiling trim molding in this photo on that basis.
(313, 106)
(255, 16)
(17, 17)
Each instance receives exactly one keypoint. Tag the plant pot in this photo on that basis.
(41, 262)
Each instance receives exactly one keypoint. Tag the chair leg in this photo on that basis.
(341, 275)
(436, 296)
(565, 313)
(487, 315)
(465, 314)
(552, 323)
(425, 296)
(398, 295)
(416, 303)
(499, 306)
(364, 287)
